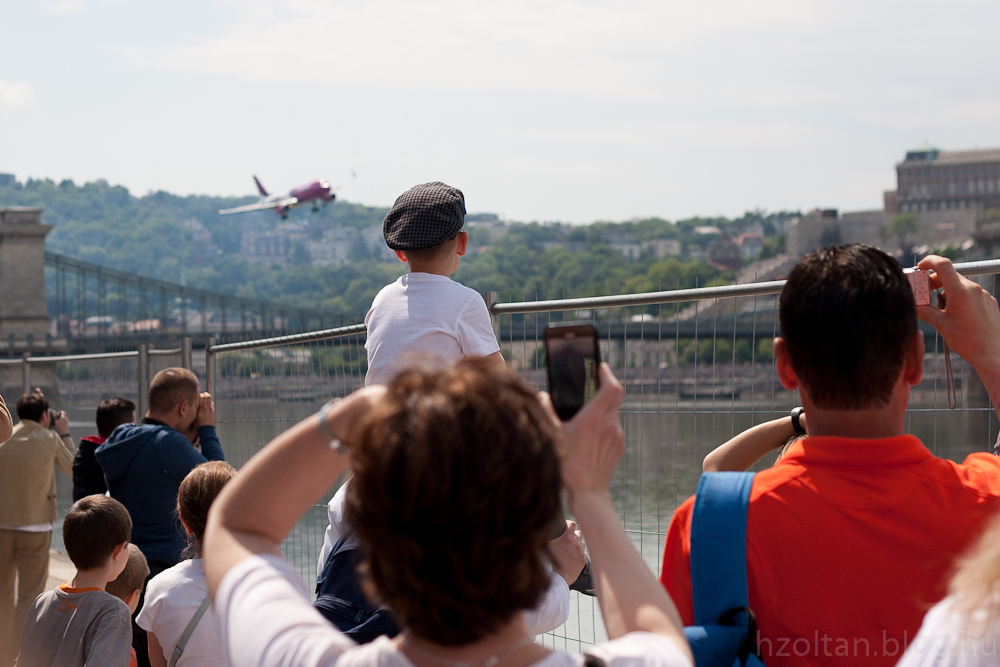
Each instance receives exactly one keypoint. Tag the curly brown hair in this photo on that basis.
(456, 484)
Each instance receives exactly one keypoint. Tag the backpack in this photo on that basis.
(341, 599)
(724, 633)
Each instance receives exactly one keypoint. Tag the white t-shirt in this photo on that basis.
(550, 613)
(267, 621)
(425, 315)
(946, 639)
(172, 598)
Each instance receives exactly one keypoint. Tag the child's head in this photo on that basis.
(112, 413)
(424, 227)
(196, 494)
(127, 586)
(96, 532)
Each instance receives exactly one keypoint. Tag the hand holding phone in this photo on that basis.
(572, 356)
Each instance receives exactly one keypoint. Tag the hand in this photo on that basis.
(206, 411)
(592, 441)
(62, 424)
(970, 321)
(566, 551)
(343, 417)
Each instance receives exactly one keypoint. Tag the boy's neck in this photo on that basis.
(97, 578)
(436, 268)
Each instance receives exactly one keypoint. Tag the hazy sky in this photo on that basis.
(569, 110)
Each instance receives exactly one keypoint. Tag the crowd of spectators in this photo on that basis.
(459, 472)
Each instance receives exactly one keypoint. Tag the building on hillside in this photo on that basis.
(660, 248)
(724, 254)
(263, 248)
(929, 179)
(572, 247)
(631, 251)
(751, 245)
(6, 180)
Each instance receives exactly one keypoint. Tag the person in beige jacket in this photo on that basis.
(29, 454)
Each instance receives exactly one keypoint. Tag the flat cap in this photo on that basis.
(424, 216)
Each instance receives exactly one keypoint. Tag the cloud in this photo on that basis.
(64, 7)
(13, 95)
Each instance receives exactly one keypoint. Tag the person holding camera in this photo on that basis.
(28, 458)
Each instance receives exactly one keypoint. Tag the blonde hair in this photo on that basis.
(976, 583)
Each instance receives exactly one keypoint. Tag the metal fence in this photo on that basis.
(696, 365)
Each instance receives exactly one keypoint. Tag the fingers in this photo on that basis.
(945, 274)
(546, 400)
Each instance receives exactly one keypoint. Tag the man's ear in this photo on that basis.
(783, 363)
(913, 364)
(463, 243)
(401, 256)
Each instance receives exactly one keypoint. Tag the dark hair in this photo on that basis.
(112, 413)
(433, 253)
(196, 494)
(455, 488)
(847, 317)
(171, 386)
(32, 406)
(93, 527)
(132, 577)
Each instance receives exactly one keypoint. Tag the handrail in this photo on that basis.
(58, 359)
(694, 294)
(291, 339)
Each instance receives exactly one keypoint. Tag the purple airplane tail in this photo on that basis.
(260, 188)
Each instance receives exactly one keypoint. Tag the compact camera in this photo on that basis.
(920, 283)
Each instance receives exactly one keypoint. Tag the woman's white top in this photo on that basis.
(267, 620)
(948, 639)
(172, 598)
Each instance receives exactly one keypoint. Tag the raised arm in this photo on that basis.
(258, 509)
(631, 599)
(751, 445)
(6, 424)
(969, 323)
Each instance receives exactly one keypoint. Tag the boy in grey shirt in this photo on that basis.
(79, 624)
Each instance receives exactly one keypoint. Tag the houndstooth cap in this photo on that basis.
(424, 216)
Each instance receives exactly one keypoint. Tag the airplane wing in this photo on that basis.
(261, 206)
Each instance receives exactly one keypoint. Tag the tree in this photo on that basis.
(902, 226)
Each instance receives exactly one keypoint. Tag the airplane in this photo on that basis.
(315, 192)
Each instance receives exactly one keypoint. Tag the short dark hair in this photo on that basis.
(93, 527)
(112, 413)
(847, 317)
(32, 406)
(197, 492)
(171, 386)
(455, 490)
(132, 577)
(433, 253)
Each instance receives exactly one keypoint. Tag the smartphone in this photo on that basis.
(572, 356)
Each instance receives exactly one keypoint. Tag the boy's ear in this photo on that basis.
(401, 256)
(463, 243)
(116, 554)
(133, 597)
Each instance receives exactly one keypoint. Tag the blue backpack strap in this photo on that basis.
(719, 544)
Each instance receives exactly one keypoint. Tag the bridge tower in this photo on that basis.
(24, 312)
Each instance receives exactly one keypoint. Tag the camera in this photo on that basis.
(920, 283)
(53, 416)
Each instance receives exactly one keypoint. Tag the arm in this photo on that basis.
(6, 424)
(255, 511)
(969, 323)
(65, 451)
(496, 359)
(156, 658)
(631, 599)
(751, 445)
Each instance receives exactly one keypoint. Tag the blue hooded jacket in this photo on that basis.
(144, 465)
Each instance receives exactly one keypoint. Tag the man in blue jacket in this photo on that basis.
(144, 464)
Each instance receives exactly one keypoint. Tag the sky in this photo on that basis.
(569, 110)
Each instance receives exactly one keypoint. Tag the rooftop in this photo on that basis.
(938, 158)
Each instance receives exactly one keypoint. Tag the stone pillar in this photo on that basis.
(24, 310)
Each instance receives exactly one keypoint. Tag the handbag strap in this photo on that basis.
(192, 624)
(719, 544)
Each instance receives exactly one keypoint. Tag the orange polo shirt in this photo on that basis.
(849, 543)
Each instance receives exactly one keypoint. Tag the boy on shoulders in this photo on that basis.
(425, 312)
(79, 624)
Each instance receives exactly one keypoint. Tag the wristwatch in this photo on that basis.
(796, 424)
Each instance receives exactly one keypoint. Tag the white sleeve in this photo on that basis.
(641, 649)
(553, 610)
(337, 526)
(475, 330)
(945, 640)
(266, 619)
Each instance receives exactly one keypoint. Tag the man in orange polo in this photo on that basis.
(852, 535)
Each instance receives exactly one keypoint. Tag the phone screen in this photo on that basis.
(572, 358)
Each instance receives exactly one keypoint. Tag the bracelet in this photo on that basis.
(796, 424)
(336, 444)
